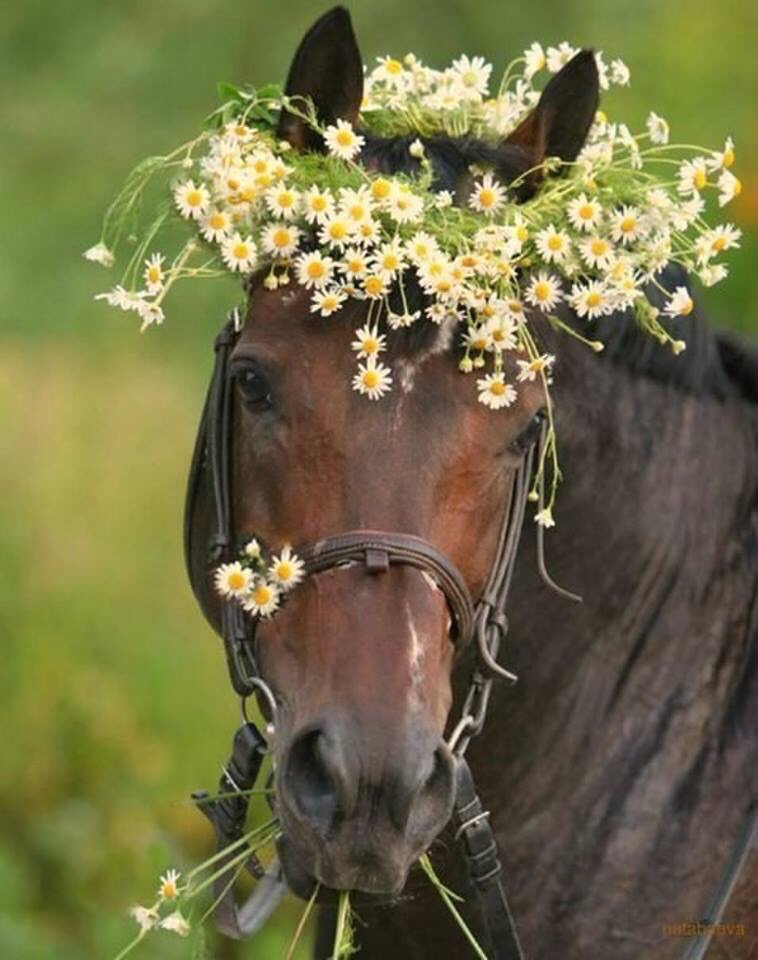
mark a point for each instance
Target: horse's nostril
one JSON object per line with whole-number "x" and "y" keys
{"x": 310, "y": 784}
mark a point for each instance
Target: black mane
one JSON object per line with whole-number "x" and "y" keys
{"x": 714, "y": 364}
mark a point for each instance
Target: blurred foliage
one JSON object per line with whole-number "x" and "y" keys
{"x": 114, "y": 698}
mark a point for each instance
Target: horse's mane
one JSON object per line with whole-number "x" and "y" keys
{"x": 714, "y": 364}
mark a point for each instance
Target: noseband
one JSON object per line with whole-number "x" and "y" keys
{"x": 483, "y": 622}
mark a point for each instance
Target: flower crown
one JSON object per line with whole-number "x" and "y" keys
{"x": 597, "y": 237}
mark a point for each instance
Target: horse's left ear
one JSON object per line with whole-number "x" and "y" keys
{"x": 559, "y": 124}
{"x": 328, "y": 69}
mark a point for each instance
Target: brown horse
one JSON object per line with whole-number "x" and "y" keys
{"x": 619, "y": 769}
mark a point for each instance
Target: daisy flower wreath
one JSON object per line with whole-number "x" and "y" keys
{"x": 597, "y": 237}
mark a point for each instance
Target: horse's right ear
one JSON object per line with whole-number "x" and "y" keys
{"x": 328, "y": 69}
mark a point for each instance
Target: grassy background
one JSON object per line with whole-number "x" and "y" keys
{"x": 114, "y": 697}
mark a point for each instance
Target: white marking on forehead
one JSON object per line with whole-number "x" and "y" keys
{"x": 415, "y": 656}
{"x": 406, "y": 375}
{"x": 290, "y": 296}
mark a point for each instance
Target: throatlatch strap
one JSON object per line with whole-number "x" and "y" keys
{"x": 485, "y": 870}
{"x": 227, "y": 814}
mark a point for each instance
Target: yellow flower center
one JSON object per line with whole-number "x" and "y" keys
{"x": 687, "y": 307}
{"x": 285, "y": 199}
{"x": 357, "y": 212}
{"x": 315, "y": 270}
{"x": 628, "y": 224}
{"x": 486, "y": 197}
{"x": 318, "y": 203}
{"x": 260, "y": 165}
{"x": 355, "y": 265}
{"x": 390, "y": 262}
{"x": 344, "y": 138}
{"x": 381, "y": 188}
{"x": 217, "y": 221}
{"x": 497, "y": 389}
{"x": 393, "y": 67}
{"x": 469, "y": 260}
{"x": 542, "y": 290}
{"x": 153, "y": 274}
{"x": 699, "y": 178}
{"x": 479, "y": 344}
{"x": 284, "y": 570}
{"x": 601, "y": 117}
{"x": 194, "y": 198}
{"x": 329, "y": 302}
{"x": 281, "y": 237}
{"x": 593, "y": 299}
{"x": 554, "y": 242}
{"x": 240, "y": 251}
{"x": 521, "y": 233}
{"x": 728, "y": 158}
{"x": 262, "y": 594}
{"x": 370, "y": 379}
{"x": 599, "y": 247}
{"x": 370, "y": 345}
{"x": 736, "y": 187}
{"x": 337, "y": 230}
{"x": 515, "y": 306}
{"x": 168, "y": 890}
{"x": 236, "y": 581}
{"x": 374, "y": 285}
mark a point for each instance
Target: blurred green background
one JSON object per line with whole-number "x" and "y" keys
{"x": 115, "y": 703}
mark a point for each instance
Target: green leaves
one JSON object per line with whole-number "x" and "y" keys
{"x": 253, "y": 106}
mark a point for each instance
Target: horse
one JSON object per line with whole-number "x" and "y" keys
{"x": 618, "y": 770}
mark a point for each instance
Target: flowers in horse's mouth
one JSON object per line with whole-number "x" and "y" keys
{"x": 596, "y": 237}
{"x": 258, "y": 582}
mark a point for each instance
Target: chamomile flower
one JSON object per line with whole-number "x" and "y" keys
{"x": 591, "y": 299}
{"x": 470, "y": 76}
{"x": 558, "y": 57}
{"x": 215, "y": 225}
{"x": 531, "y": 369}
{"x": 421, "y": 247}
{"x": 283, "y": 201}
{"x": 154, "y": 275}
{"x": 381, "y": 190}
{"x": 327, "y": 302}
{"x": 722, "y": 238}
{"x": 389, "y": 259}
{"x": 232, "y": 580}
{"x": 368, "y": 341}
{"x": 544, "y": 517}
{"x": 169, "y": 885}
{"x": 238, "y": 253}
{"x": 679, "y": 303}
{"x": 191, "y": 200}
{"x": 374, "y": 286}
{"x": 336, "y": 232}
{"x": 544, "y": 291}
{"x": 356, "y": 205}
{"x": 712, "y": 274}
{"x": 280, "y": 239}
{"x": 286, "y": 570}
{"x": 583, "y": 213}
{"x": 722, "y": 158}
{"x": 318, "y": 205}
{"x": 146, "y": 917}
{"x": 354, "y": 263}
{"x": 657, "y": 128}
{"x": 620, "y": 73}
{"x": 403, "y": 205}
{"x": 176, "y": 923}
{"x": 314, "y": 270}
{"x": 100, "y": 254}
{"x": 342, "y": 141}
{"x": 729, "y": 187}
{"x": 487, "y": 196}
{"x": 391, "y": 71}
{"x": 502, "y": 332}
{"x": 596, "y": 252}
{"x": 373, "y": 379}
{"x": 263, "y": 599}
{"x": 494, "y": 392}
{"x": 693, "y": 175}
{"x": 553, "y": 244}
{"x": 478, "y": 339}
{"x": 252, "y": 549}
{"x": 626, "y": 224}
{"x": 534, "y": 57}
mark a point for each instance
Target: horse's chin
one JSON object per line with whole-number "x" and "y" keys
{"x": 301, "y": 880}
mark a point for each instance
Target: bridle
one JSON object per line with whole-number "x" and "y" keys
{"x": 483, "y": 622}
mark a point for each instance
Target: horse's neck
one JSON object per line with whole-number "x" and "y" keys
{"x": 621, "y": 716}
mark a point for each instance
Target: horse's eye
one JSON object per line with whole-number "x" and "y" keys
{"x": 254, "y": 386}
{"x": 529, "y": 435}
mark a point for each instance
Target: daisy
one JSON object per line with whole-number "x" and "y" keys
{"x": 729, "y": 187}
{"x": 470, "y": 77}
{"x": 373, "y": 379}
{"x": 252, "y": 549}
{"x": 626, "y": 225}
{"x": 620, "y": 73}
{"x": 374, "y": 286}
{"x": 238, "y": 253}
{"x": 145, "y": 917}
{"x": 552, "y": 244}
{"x": 596, "y": 252}
{"x": 529, "y": 369}
{"x": 544, "y": 518}
{"x": 534, "y": 59}
{"x": 282, "y": 201}
{"x": 280, "y": 240}
{"x": 342, "y": 141}
{"x": 215, "y": 225}
{"x": 712, "y": 274}
{"x": 367, "y": 233}
{"x": 590, "y": 299}
{"x": 584, "y": 214}
{"x": 487, "y": 196}
{"x": 391, "y": 71}
{"x": 336, "y": 232}
{"x": 356, "y": 205}
{"x": 168, "y": 887}
{"x": 232, "y": 580}
{"x": 354, "y": 263}
{"x": 381, "y": 189}
{"x": 723, "y": 158}
{"x": 191, "y": 201}
{"x": 154, "y": 273}
{"x": 286, "y": 570}
{"x": 693, "y": 175}
{"x": 327, "y": 302}
{"x": 122, "y": 298}
{"x": 478, "y": 339}
{"x": 421, "y": 247}
{"x": 368, "y": 341}
{"x": 263, "y": 599}
{"x": 416, "y": 149}
{"x": 723, "y": 238}
{"x": 680, "y": 303}
{"x": 657, "y": 128}
{"x": 99, "y": 254}
{"x": 494, "y": 392}
{"x": 558, "y": 57}
{"x": 502, "y": 334}
{"x": 544, "y": 291}
{"x": 176, "y": 923}
{"x": 318, "y": 205}
{"x": 314, "y": 270}
{"x": 150, "y": 313}
{"x": 388, "y": 259}
{"x": 404, "y": 206}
